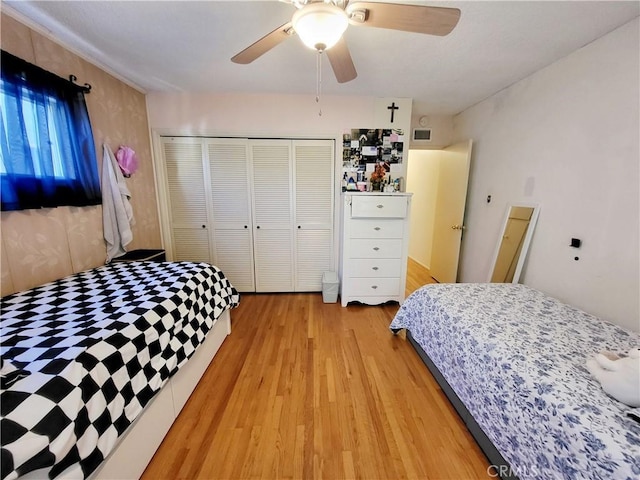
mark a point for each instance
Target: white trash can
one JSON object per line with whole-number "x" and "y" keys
{"x": 330, "y": 287}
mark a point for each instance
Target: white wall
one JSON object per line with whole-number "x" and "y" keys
{"x": 259, "y": 115}
{"x": 567, "y": 137}
{"x": 441, "y": 127}
{"x": 422, "y": 181}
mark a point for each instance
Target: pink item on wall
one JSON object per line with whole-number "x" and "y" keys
{"x": 127, "y": 160}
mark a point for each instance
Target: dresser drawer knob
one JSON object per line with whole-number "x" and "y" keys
{"x": 374, "y": 286}
{"x": 374, "y": 268}
{"x": 376, "y": 228}
{"x": 376, "y": 248}
{"x": 380, "y": 206}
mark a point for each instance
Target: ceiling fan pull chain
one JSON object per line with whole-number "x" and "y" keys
{"x": 319, "y": 81}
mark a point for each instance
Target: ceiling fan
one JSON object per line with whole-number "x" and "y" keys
{"x": 321, "y": 23}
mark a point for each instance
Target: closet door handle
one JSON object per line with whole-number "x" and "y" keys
{"x": 204, "y": 226}
{"x": 374, "y": 286}
{"x": 380, "y": 206}
{"x": 376, "y": 228}
{"x": 246, "y": 226}
{"x": 374, "y": 268}
{"x": 376, "y": 248}
{"x": 258, "y": 226}
{"x": 299, "y": 227}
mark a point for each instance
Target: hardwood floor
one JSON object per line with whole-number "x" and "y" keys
{"x": 303, "y": 389}
{"x": 417, "y": 276}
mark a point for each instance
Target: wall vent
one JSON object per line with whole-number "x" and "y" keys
{"x": 421, "y": 134}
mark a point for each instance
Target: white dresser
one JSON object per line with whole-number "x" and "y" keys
{"x": 375, "y": 239}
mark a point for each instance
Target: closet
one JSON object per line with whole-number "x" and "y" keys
{"x": 260, "y": 209}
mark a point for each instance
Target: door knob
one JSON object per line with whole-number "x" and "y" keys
{"x": 457, "y": 227}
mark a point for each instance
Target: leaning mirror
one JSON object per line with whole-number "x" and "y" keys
{"x": 515, "y": 238}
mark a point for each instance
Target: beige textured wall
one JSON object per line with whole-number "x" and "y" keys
{"x": 43, "y": 245}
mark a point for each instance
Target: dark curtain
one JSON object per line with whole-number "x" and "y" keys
{"x": 47, "y": 147}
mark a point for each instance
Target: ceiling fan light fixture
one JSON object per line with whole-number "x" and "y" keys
{"x": 320, "y": 25}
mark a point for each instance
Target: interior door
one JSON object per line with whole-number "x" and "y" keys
{"x": 271, "y": 178}
{"x": 187, "y": 203}
{"x": 314, "y": 180}
{"x": 449, "y": 211}
{"x": 228, "y": 161}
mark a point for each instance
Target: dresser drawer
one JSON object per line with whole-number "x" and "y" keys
{"x": 374, "y": 286}
{"x": 377, "y": 228}
{"x": 379, "y": 206}
{"x": 375, "y": 267}
{"x": 375, "y": 248}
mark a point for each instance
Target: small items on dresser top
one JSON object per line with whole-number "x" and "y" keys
{"x": 359, "y": 183}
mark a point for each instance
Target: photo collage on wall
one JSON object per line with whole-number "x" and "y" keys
{"x": 363, "y": 149}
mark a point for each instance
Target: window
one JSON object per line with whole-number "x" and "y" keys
{"x": 46, "y": 144}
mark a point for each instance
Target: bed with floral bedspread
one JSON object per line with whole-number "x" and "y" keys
{"x": 516, "y": 357}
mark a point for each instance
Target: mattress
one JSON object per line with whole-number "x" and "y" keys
{"x": 82, "y": 357}
{"x": 516, "y": 359}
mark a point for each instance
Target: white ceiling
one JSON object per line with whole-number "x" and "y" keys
{"x": 183, "y": 46}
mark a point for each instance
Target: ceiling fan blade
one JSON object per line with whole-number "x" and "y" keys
{"x": 266, "y": 43}
{"x": 408, "y": 18}
{"x": 341, "y": 62}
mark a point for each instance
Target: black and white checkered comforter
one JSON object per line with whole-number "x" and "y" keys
{"x": 82, "y": 356}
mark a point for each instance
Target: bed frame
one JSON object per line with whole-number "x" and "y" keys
{"x": 136, "y": 447}
{"x": 500, "y": 466}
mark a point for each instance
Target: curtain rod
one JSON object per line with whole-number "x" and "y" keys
{"x": 18, "y": 66}
{"x": 86, "y": 88}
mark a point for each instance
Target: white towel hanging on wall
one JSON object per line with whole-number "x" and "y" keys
{"x": 117, "y": 213}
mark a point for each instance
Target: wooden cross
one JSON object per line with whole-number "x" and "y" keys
{"x": 393, "y": 108}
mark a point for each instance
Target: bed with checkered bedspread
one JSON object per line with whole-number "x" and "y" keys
{"x": 83, "y": 356}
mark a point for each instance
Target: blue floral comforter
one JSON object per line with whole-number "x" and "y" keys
{"x": 516, "y": 358}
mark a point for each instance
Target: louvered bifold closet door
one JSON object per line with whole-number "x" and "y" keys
{"x": 271, "y": 176}
{"x": 231, "y": 203}
{"x": 314, "y": 207}
{"x": 187, "y": 205}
